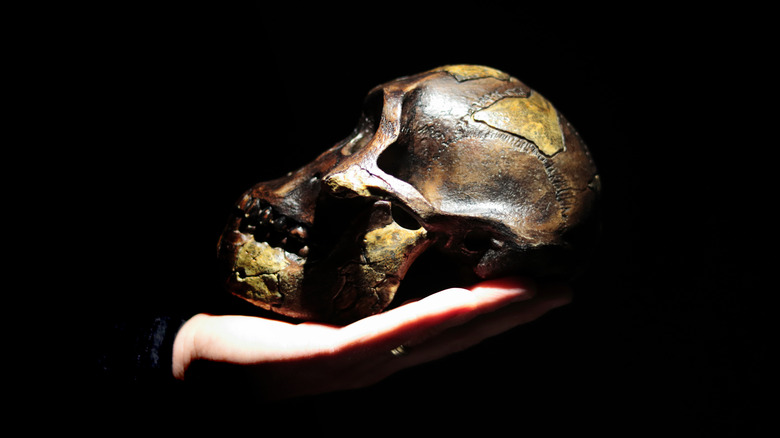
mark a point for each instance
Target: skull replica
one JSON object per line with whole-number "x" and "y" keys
{"x": 463, "y": 159}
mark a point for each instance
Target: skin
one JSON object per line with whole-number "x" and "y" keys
{"x": 288, "y": 360}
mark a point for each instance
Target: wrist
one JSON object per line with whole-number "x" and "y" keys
{"x": 185, "y": 346}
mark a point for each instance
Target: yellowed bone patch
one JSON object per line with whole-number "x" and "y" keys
{"x": 465, "y": 72}
{"x": 532, "y": 117}
{"x": 352, "y": 179}
{"x": 385, "y": 247}
{"x": 260, "y": 265}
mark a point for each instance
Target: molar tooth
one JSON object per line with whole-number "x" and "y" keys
{"x": 299, "y": 232}
{"x": 244, "y": 202}
{"x": 251, "y": 207}
{"x": 265, "y": 214}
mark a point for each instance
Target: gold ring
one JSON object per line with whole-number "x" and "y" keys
{"x": 399, "y": 351}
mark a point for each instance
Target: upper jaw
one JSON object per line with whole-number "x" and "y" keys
{"x": 262, "y": 254}
{"x": 346, "y": 265}
{"x": 266, "y": 223}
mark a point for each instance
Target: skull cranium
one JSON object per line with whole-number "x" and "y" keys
{"x": 464, "y": 159}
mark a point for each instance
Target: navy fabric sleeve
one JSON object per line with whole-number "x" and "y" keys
{"x": 139, "y": 350}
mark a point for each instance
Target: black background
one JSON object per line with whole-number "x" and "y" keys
{"x": 667, "y": 331}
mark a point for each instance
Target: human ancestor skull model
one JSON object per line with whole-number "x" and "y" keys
{"x": 464, "y": 160}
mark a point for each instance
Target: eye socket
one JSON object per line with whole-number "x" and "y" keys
{"x": 477, "y": 241}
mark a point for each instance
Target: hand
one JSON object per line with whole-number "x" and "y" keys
{"x": 288, "y": 360}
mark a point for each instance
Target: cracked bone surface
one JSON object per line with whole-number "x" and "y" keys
{"x": 463, "y": 161}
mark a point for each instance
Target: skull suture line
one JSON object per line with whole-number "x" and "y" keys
{"x": 464, "y": 159}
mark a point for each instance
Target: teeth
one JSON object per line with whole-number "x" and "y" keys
{"x": 267, "y": 225}
{"x": 299, "y": 233}
{"x": 265, "y": 215}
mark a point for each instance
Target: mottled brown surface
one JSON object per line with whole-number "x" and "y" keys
{"x": 464, "y": 159}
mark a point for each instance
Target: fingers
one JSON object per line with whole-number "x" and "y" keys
{"x": 485, "y": 326}
{"x": 444, "y": 323}
{"x": 418, "y": 321}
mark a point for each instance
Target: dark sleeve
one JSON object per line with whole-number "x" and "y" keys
{"x": 139, "y": 350}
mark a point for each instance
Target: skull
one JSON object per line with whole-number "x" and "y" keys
{"x": 462, "y": 160}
